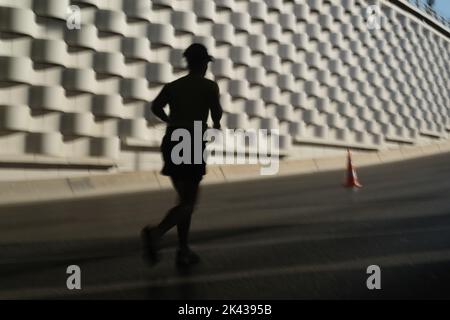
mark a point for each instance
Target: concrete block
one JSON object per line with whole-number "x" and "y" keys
{"x": 430, "y": 149}
{"x": 365, "y": 159}
{"x": 293, "y": 167}
{"x": 213, "y": 175}
{"x": 241, "y": 172}
{"x": 390, "y": 155}
{"x": 411, "y": 152}
{"x": 444, "y": 146}
{"x": 124, "y": 181}
{"x": 332, "y": 163}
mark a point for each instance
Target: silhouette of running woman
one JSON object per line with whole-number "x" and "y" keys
{"x": 190, "y": 98}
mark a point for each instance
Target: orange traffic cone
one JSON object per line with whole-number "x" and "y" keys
{"x": 352, "y": 178}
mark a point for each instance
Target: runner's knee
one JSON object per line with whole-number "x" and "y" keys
{"x": 187, "y": 208}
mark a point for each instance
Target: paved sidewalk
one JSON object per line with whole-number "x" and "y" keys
{"x": 119, "y": 183}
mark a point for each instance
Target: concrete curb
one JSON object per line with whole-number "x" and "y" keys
{"x": 22, "y": 192}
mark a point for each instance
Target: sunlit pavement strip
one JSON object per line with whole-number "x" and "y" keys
{"x": 385, "y": 261}
{"x": 252, "y": 243}
{"x": 285, "y": 240}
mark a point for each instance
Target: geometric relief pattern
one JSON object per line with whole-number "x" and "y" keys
{"x": 310, "y": 68}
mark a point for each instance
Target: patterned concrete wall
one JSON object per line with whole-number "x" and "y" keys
{"x": 310, "y": 68}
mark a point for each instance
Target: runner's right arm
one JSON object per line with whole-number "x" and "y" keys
{"x": 159, "y": 103}
{"x": 216, "y": 108}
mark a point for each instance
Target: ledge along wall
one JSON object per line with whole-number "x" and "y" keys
{"x": 78, "y": 101}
